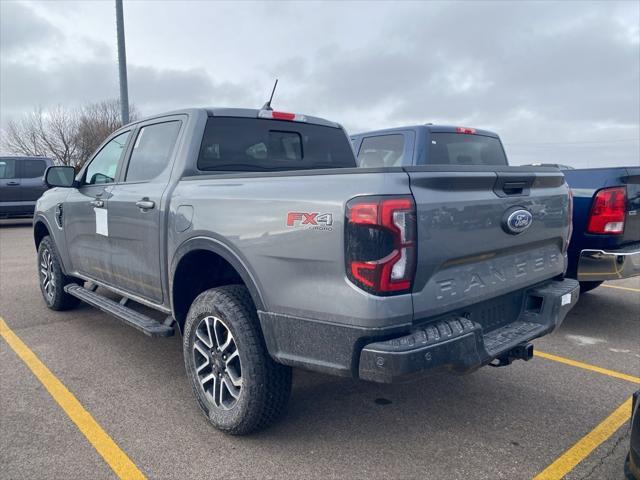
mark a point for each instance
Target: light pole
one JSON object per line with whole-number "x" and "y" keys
{"x": 122, "y": 64}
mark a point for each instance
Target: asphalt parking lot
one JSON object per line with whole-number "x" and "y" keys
{"x": 498, "y": 423}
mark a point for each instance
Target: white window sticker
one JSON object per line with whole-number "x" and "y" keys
{"x": 102, "y": 225}
{"x": 566, "y": 299}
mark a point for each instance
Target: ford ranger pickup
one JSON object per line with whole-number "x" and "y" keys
{"x": 256, "y": 236}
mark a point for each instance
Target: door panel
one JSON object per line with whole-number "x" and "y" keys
{"x": 9, "y": 180}
{"x": 134, "y": 235}
{"x": 89, "y": 252}
{"x": 85, "y": 209}
{"x": 135, "y": 210}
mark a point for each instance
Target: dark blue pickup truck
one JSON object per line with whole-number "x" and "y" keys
{"x": 21, "y": 184}
{"x": 428, "y": 145}
{"x": 605, "y": 244}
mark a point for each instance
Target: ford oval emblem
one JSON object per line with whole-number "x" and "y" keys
{"x": 517, "y": 221}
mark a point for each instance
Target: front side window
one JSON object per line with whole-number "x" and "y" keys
{"x": 381, "y": 151}
{"x": 7, "y": 168}
{"x": 33, "y": 168}
{"x": 104, "y": 165}
{"x": 152, "y": 151}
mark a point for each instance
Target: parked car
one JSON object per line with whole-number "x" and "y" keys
{"x": 605, "y": 244}
{"x": 21, "y": 184}
{"x": 632, "y": 463}
{"x": 255, "y": 232}
{"x": 428, "y": 145}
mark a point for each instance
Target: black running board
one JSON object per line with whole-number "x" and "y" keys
{"x": 145, "y": 324}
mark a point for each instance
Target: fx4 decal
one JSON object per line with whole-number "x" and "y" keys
{"x": 310, "y": 220}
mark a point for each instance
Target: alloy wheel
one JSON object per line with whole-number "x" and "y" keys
{"x": 217, "y": 362}
{"x": 47, "y": 275}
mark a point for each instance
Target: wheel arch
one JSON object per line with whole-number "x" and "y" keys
{"x": 40, "y": 230}
{"x": 209, "y": 252}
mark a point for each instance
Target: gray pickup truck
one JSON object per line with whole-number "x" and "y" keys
{"x": 254, "y": 233}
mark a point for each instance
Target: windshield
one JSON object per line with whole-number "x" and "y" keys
{"x": 465, "y": 149}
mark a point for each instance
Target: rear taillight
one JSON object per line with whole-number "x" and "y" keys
{"x": 381, "y": 243}
{"x": 608, "y": 211}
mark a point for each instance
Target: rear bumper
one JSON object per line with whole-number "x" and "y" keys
{"x": 598, "y": 265}
{"x": 460, "y": 345}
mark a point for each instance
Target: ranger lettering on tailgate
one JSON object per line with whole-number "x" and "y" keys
{"x": 495, "y": 272}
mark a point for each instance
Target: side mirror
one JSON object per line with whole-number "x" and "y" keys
{"x": 60, "y": 177}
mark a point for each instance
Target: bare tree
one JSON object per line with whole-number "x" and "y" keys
{"x": 68, "y": 136}
{"x": 23, "y": 137}
{"x": 96, "y": 122}
{"x": 58, "y": 129}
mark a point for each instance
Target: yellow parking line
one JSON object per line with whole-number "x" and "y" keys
{"x": 622, "y": 288}
{"x": 119, "y": 462}
{"x": 586, "y": 366}
{"x": 587, "y": 444}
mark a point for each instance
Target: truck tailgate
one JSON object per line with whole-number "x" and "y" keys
{"x": 466, "y": 252}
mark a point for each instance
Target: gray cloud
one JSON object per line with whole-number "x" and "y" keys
{"x": 559, "y": 81}
{"x": 74, "y": 83}
{"x": 481, "y": 70}
{"x": 20, "y": 28}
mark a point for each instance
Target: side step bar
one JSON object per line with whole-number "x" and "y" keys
{"x": 145, "y": 324}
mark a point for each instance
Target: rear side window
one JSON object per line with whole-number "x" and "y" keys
{"x": 7, "y": 168}
{"x": 33, "y": 168}
{"x": 465, "y": 149}
{"x": 381, "y": 151}
{"x": 152, "y": 150}
{"x": 260, "y": 145}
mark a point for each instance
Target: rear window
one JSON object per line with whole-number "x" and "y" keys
{"x": 465, "y": 149}
{"x": 260, "y": 145}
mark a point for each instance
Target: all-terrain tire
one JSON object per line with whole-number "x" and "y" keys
{"x": 265, "y": 384}
{"x": 51, "y": 278}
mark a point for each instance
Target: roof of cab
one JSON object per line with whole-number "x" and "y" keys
{"x": 426, "y": 127}
{"x": 234, "y": 112}
{"x": 253, "y": 113}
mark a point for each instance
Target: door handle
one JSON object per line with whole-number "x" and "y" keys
{"x": 13, "y": 184}
{"x": 145, "y": 204}
{"x": 97, "y": 203}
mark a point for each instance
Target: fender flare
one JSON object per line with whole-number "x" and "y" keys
{"x": 40, "y": 218}
{"x": 227, "y": 253}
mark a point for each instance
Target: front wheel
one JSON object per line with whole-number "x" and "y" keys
{"x": 238, "y": 386}
{"x": 52, "y": 279}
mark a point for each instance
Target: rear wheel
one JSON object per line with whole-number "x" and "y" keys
{"x": 237, "y": 384}
{"x": 588, "y": 286}
{"x": 52, "y": 279}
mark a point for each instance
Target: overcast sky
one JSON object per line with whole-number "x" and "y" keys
{"x": 560, "y": 82}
